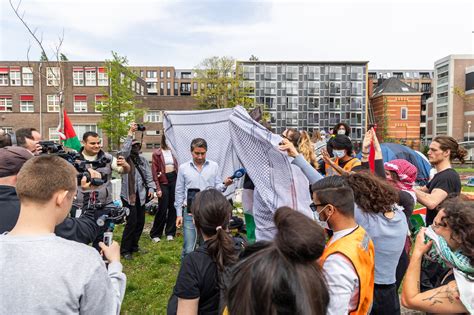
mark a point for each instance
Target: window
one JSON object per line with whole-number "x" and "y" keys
{"x": 161, "y": 74}
{"x": 292, "y": 118}
{"x": 52, "y": 76}
{"x": 15, "y": 76}
{"x": 151, "y": 86}
{"x": 27, "y": 76}
{"x": 356, "y": 73}
{"x": 404, "y": 113}
{"x": 292, "y": 103}
{"x": 195, "y": 86}
{"x": 141, "y": 73}
{"x": 168, "y": 86}
{"x": 150, "y": 74}
{"x": 90, "y": 76}
{"x": 168, "y": 74}
{"x": 4, "y": 75}
{"x": 292, "y": 73}
{"x": 54, "y": 135}
{"x": 292, "y": 88}
{"x": 82, "y": 129}
{"x": 185, "y": 88}
{"x": 313, "y": 73}
{"x": 248, "y": 72}
{"x": 6, "y": 103}
{"x": 313, "y": 88}
{"x": 356, "y": 88}
{"x": 335, "y": 88}
{"x": 99, "y": 101}
{"x": 103, "y": 77}
{"x": 7, "y": 129}
{"x": 154, "y": 116}
{"x": 270, "y": 73}
{"x": 26, "y": 104}
{"x": 335, "y": 103}
{"x": 335, "y": 73}
{"x": 270, "y": 88}
{"x": 80, "y": 103}
{"x": 356, "y": 103}
{"x": 270, "y": 102}
{"x": 52, "y": 102}
{"x": 313, "y": 118}
{"x": 78, "y": 76}
{"x": 313, "y": 103}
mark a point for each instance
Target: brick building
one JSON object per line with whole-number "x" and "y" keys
{"x": 451, "y": 111}
{"x": 420, "y": 80}
{"x": 396, "y": 107}
{"x": 29, "y": 96}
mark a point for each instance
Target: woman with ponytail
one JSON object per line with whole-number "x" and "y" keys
{"x": 197, "y": 289}
{"x": 283, "y": 276}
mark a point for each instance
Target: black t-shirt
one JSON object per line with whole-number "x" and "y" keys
{"x": 197, "y": 278}
{"x": 9, "y": 208}
{"x": 447, "y": 180}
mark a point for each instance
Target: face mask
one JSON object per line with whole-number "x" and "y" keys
{"x": 339, "y": 153}
{"x": 341, "y": 132}
{"x": 323, "y": 224}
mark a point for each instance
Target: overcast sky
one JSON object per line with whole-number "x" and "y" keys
{"x": 399, "y": 34}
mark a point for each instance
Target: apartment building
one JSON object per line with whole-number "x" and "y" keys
{"x": 29, "y": 97}
{"x": 420, "y": 80}
{"x": 310, "y": 95}
{"x": 452, "y": 109}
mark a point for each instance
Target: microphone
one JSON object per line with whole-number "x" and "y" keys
{"x": 238, "y": 173}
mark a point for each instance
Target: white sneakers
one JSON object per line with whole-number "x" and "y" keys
{"x": 169, "y": 238}
{"x": 156, "y": 239}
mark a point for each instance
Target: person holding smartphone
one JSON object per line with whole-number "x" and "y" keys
{"x": 195, "y": 175}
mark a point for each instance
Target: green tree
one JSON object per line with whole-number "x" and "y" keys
{"x": 63, "y": 57}
{"x": 221, "y": 84}
{"x": 43, "y": 57}
{"x": 118, "y": 110}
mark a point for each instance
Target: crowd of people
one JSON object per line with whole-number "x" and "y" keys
{"x": 356, "y": 253}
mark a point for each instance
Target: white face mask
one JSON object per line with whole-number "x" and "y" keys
{"x": 341, "y": 132}
{"x": 323, "y": 224}
{"x": 339, "y": 153}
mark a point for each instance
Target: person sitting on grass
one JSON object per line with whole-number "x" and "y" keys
{"x": 42, "y": 273}
{"x": 451, "y": 243}
{"x": 197, "y": 286}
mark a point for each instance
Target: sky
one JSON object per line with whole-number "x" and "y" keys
{"x": 401, "y": 34}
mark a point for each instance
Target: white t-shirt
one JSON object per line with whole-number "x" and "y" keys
{"x": 342, "y": 280}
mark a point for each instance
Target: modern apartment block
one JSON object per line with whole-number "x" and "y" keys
{"x": 420, "y": 80}
{"x": 310, "y": 95}
{"x": 29, "y": 97}
{"x": 452, "y": 111}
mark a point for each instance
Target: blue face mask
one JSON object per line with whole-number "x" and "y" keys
{"x": 339, "y": 153}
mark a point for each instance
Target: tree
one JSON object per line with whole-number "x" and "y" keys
{"x": 118, "y": 109}
{"x": 221, "y": 84}
{"x": 253, "y": 58}
{"x": 43, "y": 57}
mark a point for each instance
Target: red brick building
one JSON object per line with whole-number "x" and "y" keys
{"x": 396, "y": 108}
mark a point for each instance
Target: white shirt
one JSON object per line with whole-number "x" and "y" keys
{"x": 342, "y": 280}
{"x": 168, "y": 157}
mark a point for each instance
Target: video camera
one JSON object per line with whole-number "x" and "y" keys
{"x": 141, "y": 127}
{"x": 115, "y": 214}
{"x": 79, "y": 163}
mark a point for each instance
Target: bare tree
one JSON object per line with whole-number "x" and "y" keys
{"x": 56, "y": 62}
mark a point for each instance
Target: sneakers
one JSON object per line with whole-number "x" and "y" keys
{"x": 156, "y": 239}
{"x": 127, "y": 256}
{"x": 169, "y": 238}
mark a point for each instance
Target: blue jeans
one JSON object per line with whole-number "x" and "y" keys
{"x": 189, "y": 234}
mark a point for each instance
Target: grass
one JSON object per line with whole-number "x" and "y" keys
{"x": 151, "y": 276}
{"x": 464, "y": 170}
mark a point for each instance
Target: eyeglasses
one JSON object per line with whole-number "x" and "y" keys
{"x": 314, "y": 206}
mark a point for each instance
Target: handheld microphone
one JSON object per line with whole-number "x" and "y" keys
{"x": 238, "y": 173}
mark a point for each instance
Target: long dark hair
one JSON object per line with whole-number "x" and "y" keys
{"x": 371, "y": 193}
{"x": 282, "y": 277}
{"x": 449, "y": 143}
{"x": 211, "y": 212}
{"x": 163, "y": 144}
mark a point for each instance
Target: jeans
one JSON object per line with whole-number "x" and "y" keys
{"x": 189, "y": 234}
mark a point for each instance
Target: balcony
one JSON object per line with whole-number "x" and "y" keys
{"x": 291, "y": 76}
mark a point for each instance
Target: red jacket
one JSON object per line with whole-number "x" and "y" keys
{"x": 158, "y": 168}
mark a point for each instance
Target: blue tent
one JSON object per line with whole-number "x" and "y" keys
{"x": 393, "y": 151}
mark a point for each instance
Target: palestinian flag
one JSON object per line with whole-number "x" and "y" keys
{"x": 68, "y": 136}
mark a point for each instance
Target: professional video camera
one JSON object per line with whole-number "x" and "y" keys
{"x": 115, "y": 215}
{"x": 141, "y": 127}
{"x": 79, "y": 163}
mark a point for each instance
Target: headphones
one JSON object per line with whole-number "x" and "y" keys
{"x": 12, "y": 136}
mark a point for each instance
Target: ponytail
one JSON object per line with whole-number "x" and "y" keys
{"x": 449, "y": 143}
{"x": 221, "y": 248}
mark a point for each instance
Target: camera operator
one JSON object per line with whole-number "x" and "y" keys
{"x": 27, "y": 138}
{"x": 83, "y": 229}
{"x": 137, "y": 186}
{"x": 42, "y": 273}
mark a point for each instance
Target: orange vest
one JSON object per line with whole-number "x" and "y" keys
{"x": 347, "y": 167}
{"x": 359, "y": 249}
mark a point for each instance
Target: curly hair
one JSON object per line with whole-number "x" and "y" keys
{"x": 306, "y": 148}
{"x": 371, "y": 193}
{"x": 460, "y": 219}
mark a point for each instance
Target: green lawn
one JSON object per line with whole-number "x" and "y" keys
{"x": 464, "y": 170}
{"x": 151, "y": 276}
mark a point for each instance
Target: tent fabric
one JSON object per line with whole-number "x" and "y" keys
{"x": 393, "y": 151}
{"x": 181, "y": 127}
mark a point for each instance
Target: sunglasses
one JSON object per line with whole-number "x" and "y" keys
{"x": 314, "y": 206}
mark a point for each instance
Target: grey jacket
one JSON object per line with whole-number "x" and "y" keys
{"x": 139, "y": 185}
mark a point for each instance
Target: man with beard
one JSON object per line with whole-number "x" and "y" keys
{"x": 137, "y": 188}
{"x": 446, "y": 182}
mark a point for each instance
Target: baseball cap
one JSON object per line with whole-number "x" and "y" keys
{"x": 12, "y": 159}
